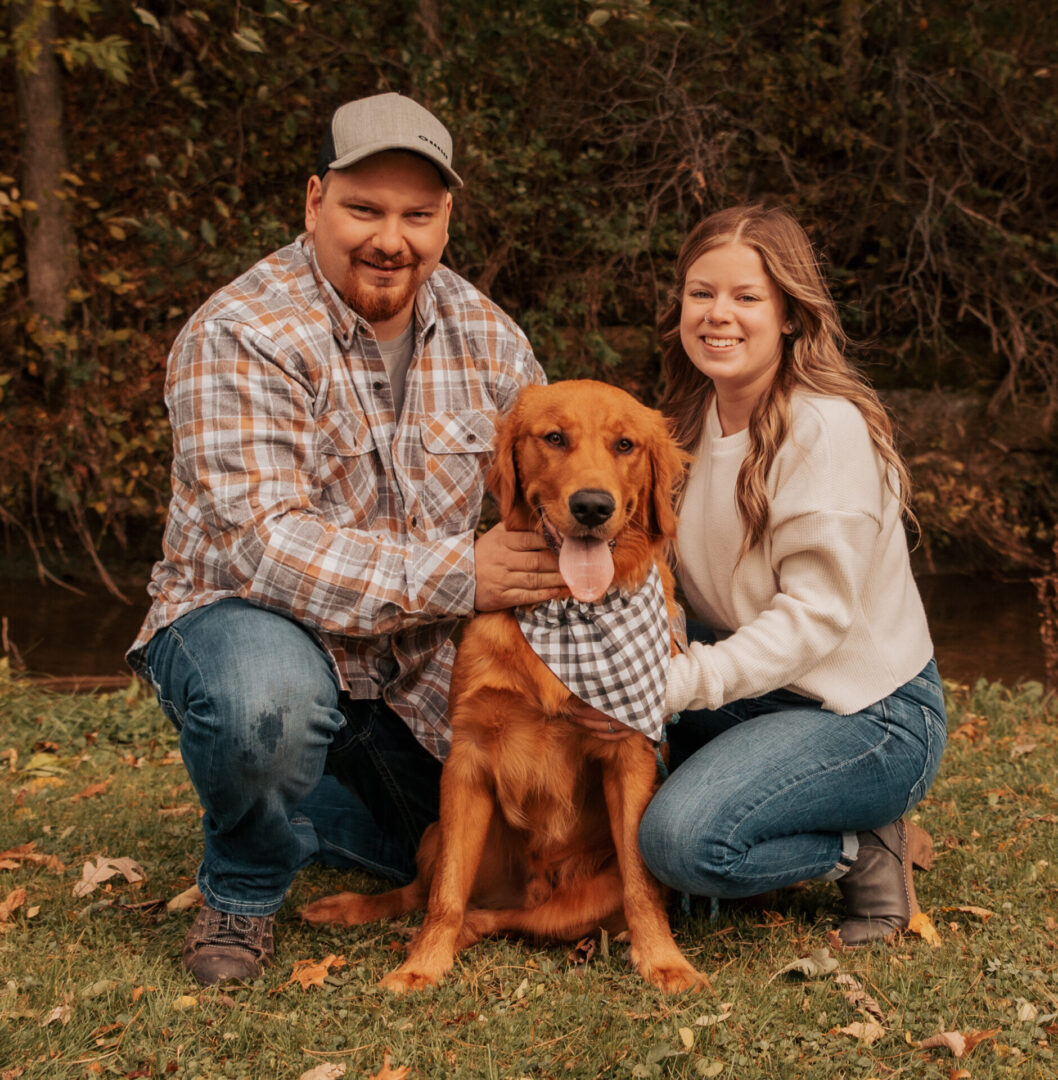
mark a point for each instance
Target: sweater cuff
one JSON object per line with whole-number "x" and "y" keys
{"x": 680, "y": 688}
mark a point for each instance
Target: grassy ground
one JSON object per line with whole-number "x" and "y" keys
{"x": 90, "y": 985}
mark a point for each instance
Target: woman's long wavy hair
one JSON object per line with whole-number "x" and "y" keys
{"x": 813, "y": 357}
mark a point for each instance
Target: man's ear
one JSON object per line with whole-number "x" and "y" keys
{"x": 313, "y": 202}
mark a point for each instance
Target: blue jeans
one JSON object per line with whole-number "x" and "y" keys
{"x": 771, "y": 791}
{"x": 288, "y": 768}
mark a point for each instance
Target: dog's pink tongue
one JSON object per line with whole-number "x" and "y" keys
{"x": 586, "y": 567}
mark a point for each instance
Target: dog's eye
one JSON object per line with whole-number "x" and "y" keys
{"x": 555, "y": 438}
{"x": 625, "y": 446}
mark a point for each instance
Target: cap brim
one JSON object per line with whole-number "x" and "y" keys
{"x": 362, "y": 152}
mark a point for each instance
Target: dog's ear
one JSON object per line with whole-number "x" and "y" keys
{"x": 667, "y": 462}
{"x": 503, "y": 475}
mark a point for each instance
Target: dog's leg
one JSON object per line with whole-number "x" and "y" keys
{"x": 569, "y": 913}
{"x": 466, "y": 811}
{"x": 352, "y": 909}
{"x": 628, "y": 781}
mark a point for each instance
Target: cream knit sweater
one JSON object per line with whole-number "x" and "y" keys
{"x": 825, "y": 605}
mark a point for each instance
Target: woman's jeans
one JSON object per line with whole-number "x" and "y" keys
{"x": 771, "y": 791}
{"x": 261, "y": 717}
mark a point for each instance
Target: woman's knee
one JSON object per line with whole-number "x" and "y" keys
{"x": 682, "y": 846}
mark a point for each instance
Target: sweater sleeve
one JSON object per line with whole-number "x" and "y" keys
{"x": 825, "y": 520}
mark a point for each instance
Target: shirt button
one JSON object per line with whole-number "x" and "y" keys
{"x": 376, "y": 385}
{"x": 472, "y": 437}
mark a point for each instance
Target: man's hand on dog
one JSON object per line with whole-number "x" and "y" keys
{"x": 513, "y": 568}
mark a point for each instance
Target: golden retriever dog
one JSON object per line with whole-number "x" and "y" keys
{"x": 539, "y": 816}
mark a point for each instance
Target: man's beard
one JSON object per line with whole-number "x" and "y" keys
{"x": 379, "y": 303}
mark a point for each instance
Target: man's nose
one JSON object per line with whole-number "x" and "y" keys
{"x": 389, "y": 237}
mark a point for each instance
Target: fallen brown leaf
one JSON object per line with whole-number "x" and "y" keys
{"x": 389, "y": 1073}
{"x": 15, "y": 898}
{"x": 959, "y": 1074}
{"x": 94, "y": 874}
{"x": 960, "y": 1043}
{"x": 307, "y": 973}
{"x": 858, "y": 998}
{"x": 968, "y": 909}
{"x": 189, "y": 898}
{"x": 60, "y": 1014}
{"x": 581, "y": 953}
{"x": 866, "y": 1032}
{"x": 14, "y": 857}
{"x": 326, "y": 1071}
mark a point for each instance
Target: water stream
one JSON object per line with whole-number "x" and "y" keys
{"x": 980, "y": 627}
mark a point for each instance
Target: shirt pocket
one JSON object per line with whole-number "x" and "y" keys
{"x": 458, "y": 450}
{"x": 348, "y": 468}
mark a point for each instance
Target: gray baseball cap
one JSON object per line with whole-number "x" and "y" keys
{"x": 370, "y": 125}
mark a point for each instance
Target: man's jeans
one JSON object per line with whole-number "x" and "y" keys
{"x": 771, "y": 791}
{"x": 261, "y": 716}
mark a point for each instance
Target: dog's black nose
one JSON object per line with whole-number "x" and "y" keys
{"x": 590, "y": 507}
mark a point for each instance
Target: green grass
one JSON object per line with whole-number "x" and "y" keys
{"x": 513, "y": 1010}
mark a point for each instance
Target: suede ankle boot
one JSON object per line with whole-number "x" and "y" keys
{"x": 879, "y": 890}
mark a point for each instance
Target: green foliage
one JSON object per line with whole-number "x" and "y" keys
{"x": 917, "y": 146}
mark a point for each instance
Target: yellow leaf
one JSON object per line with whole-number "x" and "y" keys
{"x": 866, "y": 1032}
{"x": 189, "y": 898}
{"x": 185, "y": 1001}
{"x": 686, "y": 1037}
{"x": 922, "y": 925}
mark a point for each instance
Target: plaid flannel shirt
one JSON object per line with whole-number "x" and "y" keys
{"x": 296, "y": 487}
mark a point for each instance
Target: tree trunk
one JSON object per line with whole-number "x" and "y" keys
{"x": 51, "y": 259}
{"x": 850, "y": 30}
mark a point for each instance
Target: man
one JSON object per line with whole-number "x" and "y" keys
{"x": 332, "y": 411}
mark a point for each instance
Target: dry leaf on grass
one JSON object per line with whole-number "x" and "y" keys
{"x": 817, "y": 963}
{"x": 960, "y": 1043}
{"x": 387, "y": 1072}
{"x": 866, "y": 1032}
{"x": 91, "y": 791}
{"x": 14, "y": 857}
{"x": 15, "y": 899}
{"x": 308, "y": 973}
{"x": 189, "y": 898}
{"x": 326, "y": 1071}
{"x": 94, "y": 874}
{"x": 968, "y": 909}
{"x": 581, "y": 953}
{"x": 922, "y": 925}
{"x": 61, "y": 1014}
{"x": 858, "y": 998}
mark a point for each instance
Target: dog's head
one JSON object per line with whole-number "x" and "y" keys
{"x": 595, "y": 471}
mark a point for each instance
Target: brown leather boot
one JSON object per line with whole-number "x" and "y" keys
{"x": 220, "y": 947}
{"x": 879, "y": 890}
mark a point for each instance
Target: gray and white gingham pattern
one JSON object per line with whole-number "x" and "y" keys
{"x": 613, "y": 654}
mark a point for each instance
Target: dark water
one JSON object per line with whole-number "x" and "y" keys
{"x": 980, "y": 627}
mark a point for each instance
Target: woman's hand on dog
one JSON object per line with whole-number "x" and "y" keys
{"x": 600, "y": 725}
{"x": 513, "y": 568}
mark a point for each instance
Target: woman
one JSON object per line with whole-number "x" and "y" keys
{"x": 812, "y": 712}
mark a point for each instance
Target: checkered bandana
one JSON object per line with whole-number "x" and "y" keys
{"x": 613, "y": 654}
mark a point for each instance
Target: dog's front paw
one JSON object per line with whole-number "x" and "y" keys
{"x": 677, "y": 978}
{"x": 406, "y": 979}
{"x": 341, "y": 908}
